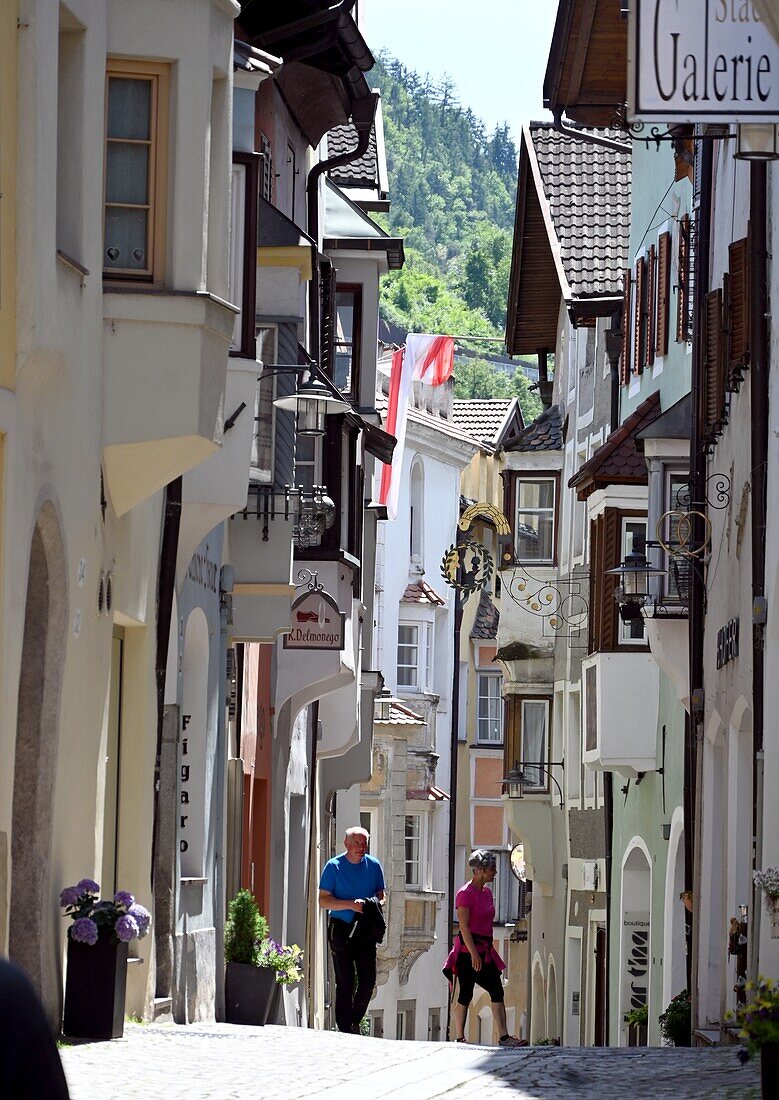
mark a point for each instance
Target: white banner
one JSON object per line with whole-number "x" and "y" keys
{"x": 701, "y": 61}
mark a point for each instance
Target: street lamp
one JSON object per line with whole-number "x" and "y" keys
{"x": 757, "y": 141}
{"x": 634, "y": 573}
{"x": 312, "y": 402}
{"x": 512, "y": 783}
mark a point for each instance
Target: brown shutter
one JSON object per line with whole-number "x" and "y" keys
{"x": 683, "y": 280}
{"x": 714, "y": 380}
{"x": 638, "y": 317}
{"x": 738, "y": 312}
{"x": 611, "y": 559}
{"x": 624, "y": 366}
{"x": 511, "y": 746}
{"x": 663, "y": 285}
{"x": 651, "y": 306}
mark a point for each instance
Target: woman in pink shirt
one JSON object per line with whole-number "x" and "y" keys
{"x": 473, "y": 958}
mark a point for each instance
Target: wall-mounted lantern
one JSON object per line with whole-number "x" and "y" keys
{"x": 312, "y": 402}
{"x": 634, "y": 573}
{"x": 757, "y": 141}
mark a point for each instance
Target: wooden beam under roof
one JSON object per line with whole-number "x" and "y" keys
{"x": 586, "y": 75}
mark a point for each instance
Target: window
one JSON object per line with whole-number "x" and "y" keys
{"x": 242, "y": 267}
{"x": 633, "y": 541}
{"x": 534, "y": 740}
{"x": 405, "y": 1022}
{"x": 70, "y": 154}
{"x": 376, "y": 1023}
{"x": 433, "y": 1025}
{"x": 489, "y": 723}
{"x": 415, "y": 646}
{"x": 534, "y": 526}
{"x": 348, "y": 307}
{"x": 135, "y": 175}
{"x": 368, "y": 822}
{"x": 416, "y": 513}
{"x": 413, "y": 842}
{"x": 261, "y": 464}
{"x": 678, "y": 566}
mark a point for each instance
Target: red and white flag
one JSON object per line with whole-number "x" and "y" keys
{"x": 428, "y": 359}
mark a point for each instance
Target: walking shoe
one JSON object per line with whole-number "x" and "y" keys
{"x": 461, "y": 1041}
{"x": 511, "y": 1041}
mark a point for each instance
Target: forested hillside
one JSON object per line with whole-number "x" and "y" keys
{"x": 452, "y": 187}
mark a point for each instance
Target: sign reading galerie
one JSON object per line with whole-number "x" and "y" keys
{"x": 701, "y": 61}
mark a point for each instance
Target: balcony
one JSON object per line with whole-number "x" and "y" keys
{"x": 621, "y": 703}
{"x": 165, "y": 361}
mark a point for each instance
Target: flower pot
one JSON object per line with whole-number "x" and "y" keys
{"x": 250, "y": 993}
{"x": 769, "y": 1068}
{"x": 95, "y": 988}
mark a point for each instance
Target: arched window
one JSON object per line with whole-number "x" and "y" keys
{"x": 416, "y": 524}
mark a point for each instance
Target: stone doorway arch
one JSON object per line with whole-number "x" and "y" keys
{"x": 33, "y": 929}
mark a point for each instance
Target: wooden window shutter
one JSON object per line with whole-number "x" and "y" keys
{"x": 611, "y": 559}
{"x": 683, "y": 280}
{"x": 663, "y": 288}
{"x": 714, "y": 379}
{"x": 327, "y": 320}
{"x": 625, "y": 358}
{"x": 639, "y": 329}
{"x": 651, "y": 306}
{"x": 738, "y": 312}
{"x": 511, "y": 746}
{"x": 266, "y": 172}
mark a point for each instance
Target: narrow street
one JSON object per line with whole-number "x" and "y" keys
{"x": 228, "y": 1062}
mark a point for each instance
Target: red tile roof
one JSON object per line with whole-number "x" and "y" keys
{"x": 618, "y": 461}
{"x": 421, "y": 592}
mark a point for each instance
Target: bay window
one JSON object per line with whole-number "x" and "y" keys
{"x": 535, "y": 518}
{"x": 489, "y": 718}
{"x": 415, "y": 656}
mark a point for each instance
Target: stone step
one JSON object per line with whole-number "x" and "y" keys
{"x": 163, "y": 1010}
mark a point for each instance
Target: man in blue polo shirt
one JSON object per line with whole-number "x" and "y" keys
{"x": 347, "y": 880}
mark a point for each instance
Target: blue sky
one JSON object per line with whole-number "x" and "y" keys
{"x": 495, "y": 51}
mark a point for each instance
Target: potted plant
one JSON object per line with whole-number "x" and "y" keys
{"x": 758, "y": 1021}
{"x": 768, "y": 882}
{"x": 676, "y": 1021}
{"x": 257, "y": 966}
{"x": 97, "y": 958}
{"x": 637, "y": 1020}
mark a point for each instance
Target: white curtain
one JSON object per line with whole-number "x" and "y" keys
{"x": 534, "y": 742}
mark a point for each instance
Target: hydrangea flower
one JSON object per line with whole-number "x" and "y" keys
{"x": 87, "y": 886}
{"x": 126, "y": 928}
{"x": 124, "y": 900}
{"x": 84, "y": 930}
{"x": 142, "y": 918}
{"x": 69, "y": 896}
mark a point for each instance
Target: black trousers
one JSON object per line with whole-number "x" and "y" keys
{"x": 354, "y": 961}
{"x": 488, "y": 978}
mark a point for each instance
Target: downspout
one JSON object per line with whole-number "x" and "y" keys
{"x": 693, "y": 756}
{"x": 608, "y": 800}
{"x": 453, "y": 762}
{"x": 758, "y": 378}
{"x": 166, "y": 587}
{"x": 366, "y": 109}
{"x": 589, "y": 138}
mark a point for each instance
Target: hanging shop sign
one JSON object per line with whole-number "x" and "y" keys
{"x": 701, "y": 61}
{"x": 317, "y": 623}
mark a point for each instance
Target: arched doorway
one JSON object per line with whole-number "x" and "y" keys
{"x": 537, "y": 1003}
{"x": 33, "y": 929}
{"x": 635, "y": 942}
{"x": 674, "y": 952}
{"x": 552, "y": 1027}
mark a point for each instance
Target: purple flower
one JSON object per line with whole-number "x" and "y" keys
{"x": 69, "y": 896}
{"x": 743, "y": 1055}
{"x": 87, "y": 886}
{"x": 124, "y": 900}
{"x": 84, "y": 930}
{"x": 142, "y": 918}
{"x": 126, "y": 928}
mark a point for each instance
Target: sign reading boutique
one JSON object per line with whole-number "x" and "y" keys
{"x": 701, "y": 61}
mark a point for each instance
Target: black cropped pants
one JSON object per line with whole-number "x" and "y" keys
{"x": 354, "y": 962}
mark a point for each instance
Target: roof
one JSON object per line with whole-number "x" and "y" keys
{"x": 545, "y": 433}
{"x": 400, "y": 715}
{"x": 674, "y": 423}
{"x": 586, "y": 74}
{"x": 428, "y": 794}
{"x": 421, "y": 592}
{"x": 618, "y": 461}
{"x": 248, "y": 59}
{"x": 349, "y": 227}
{"x": 571, "y": 233}
{"x": 488, "y": 420}
{"x": 485, "y": 624}
{"x": 436, "y": 423}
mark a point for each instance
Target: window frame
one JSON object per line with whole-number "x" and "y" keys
{"x": 158, "y": 75}
{"x": 513, "y": 745}
{"x": 623, "y": 638}
{"x": 419, "y": 883}
{"x": 424, "y": 663}
{"x": 270, "y": 380}
{"x": 495, "y": 677}
{"x": 244, "y": 272}
{"x": 516, "y": 477}
{"x": 356, "y": 290}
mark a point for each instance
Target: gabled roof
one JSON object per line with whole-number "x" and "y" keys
{"x": 421, "y": 592}
{"x": 490, "y": 420}
{"x": 586, "y": 74}
{"x": 618, "y": 461}
{"x": 364, "y": 180}
{"x": 571, "y": 233}
{"x": 400, "y": 715}
{"x": 485, "y": 624}
{"x": 545, "y": 433}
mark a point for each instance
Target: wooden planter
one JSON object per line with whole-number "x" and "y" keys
{"x": 95, "y": 988}
{"x": 251, "y": 993}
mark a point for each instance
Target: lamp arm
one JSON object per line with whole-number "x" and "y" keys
{"x": 545, "y": 768}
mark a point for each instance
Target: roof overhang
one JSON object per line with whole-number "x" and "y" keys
{"x": 349, "y": 229}
{"x": 582, "y": 310}
{"x": 586, "y": 74}
{"x": 538, "y": 281}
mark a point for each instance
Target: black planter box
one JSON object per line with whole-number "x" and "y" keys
{"x": 251, "y": 993}
{"x": 95, "y": 989}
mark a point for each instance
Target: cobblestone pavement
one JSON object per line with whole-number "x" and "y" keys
{"x": 227, "y": 1062}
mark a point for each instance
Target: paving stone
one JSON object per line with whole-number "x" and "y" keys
{"x": 227, "y": 1062}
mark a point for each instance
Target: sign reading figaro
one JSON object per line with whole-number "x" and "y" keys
{"x": 317, "y": 623}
